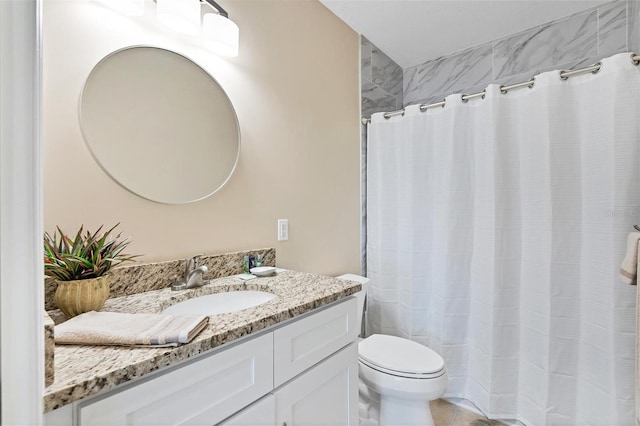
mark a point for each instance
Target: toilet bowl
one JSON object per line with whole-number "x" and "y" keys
{"x": 398, "y": 377}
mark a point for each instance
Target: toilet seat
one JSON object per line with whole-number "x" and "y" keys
{"x": 403, "y": 374}
{"x": 400, "y": 357}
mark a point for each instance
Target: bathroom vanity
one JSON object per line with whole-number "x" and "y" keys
{"x": 292, "y": 360}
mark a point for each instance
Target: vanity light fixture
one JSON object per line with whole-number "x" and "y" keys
{"x": 219, "y": 33}
{"x": 182, "y": 16}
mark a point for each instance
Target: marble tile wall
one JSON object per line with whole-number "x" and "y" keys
{"x": 381, "y": 90}
{"x": 381, "y": 80}
{"x": 633, "y": 25}
{"x": 577, "y": 40}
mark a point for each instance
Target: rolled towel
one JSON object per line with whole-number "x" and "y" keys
{"x": 629, "y": 267}
{"x": 114, "y": 328}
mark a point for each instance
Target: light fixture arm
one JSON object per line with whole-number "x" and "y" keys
{"x": 216, "y": 6}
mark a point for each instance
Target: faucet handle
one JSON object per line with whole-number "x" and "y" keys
{"x": 192, "y": 264}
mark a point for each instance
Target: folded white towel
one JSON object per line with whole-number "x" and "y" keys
{"x": 113, "y": 328}
{"x": 629, "y": 267}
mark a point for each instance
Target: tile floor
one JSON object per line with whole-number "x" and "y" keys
{"x": 447, "y": 414}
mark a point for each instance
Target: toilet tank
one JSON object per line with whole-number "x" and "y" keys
{"x": 360, "y": 296}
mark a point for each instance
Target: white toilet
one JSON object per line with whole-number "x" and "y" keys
{"x": 398, "y": 377}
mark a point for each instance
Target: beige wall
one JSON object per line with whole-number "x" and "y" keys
{"x": 296, "y": 92}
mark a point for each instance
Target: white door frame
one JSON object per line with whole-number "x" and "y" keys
{"x": 21, "y": 272}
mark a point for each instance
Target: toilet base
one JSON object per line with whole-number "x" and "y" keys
{"x": 395, "y": 411}
{"x": 369, "y": 406}
{"x": 376, "y": 410}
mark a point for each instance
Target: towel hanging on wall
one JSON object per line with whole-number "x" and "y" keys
{"x": 629, "y": 267}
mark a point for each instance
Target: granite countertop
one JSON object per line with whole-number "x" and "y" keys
{"x": 81, "y": 371}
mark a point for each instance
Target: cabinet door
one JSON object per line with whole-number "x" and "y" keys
{"x": 261, "y": 413}
{"x": 325, "y": 395}
{"x": 309, "y": 340}
{"x": 62, "y": 416}
{"x": 204, "y": 392}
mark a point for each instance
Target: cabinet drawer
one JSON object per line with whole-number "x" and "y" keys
{"x": 306, "y": 342}
{"x": 202, "y": 393}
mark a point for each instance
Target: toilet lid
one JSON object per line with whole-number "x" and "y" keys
{"x": 399, "y": 355}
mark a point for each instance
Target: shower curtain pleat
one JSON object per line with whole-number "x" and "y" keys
{"x": 495, "y": 230}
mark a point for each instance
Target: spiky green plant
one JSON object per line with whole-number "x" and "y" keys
{"x": 88, "y": 255}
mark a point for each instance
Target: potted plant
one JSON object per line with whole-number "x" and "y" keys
{"x": 79, "y": 266}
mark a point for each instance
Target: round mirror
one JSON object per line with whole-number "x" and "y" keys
{"x": 159, "y": 125}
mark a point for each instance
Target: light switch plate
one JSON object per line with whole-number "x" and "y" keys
{"x": 283, "y": 229}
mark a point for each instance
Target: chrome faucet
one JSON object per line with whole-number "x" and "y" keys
{"x": 193, "y": 275}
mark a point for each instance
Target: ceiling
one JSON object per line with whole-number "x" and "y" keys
{"x": 414, "y": 31}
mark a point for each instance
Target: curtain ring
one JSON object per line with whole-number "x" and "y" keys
{"x": 388, "y": 115}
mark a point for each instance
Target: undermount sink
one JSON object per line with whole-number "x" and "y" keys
{"x": 220, "y": 303}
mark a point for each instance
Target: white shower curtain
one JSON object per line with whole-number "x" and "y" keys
{"x": 495, "y": 233}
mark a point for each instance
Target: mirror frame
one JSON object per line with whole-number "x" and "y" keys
{"x": 97, "y": 160}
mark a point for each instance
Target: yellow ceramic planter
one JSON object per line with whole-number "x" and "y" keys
{"x": 76, "y": 297}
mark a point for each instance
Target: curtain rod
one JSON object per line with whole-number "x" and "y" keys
{"x": 564, "y": 75}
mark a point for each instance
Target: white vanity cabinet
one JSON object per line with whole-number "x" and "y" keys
{"x": 201, "y": 393}
{"x": 304, "y": 372}
{"x": 325, "y": 395}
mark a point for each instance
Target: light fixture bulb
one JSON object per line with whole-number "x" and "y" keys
{"x": 180, "y": 15}
{"x": 220, "y": 34}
